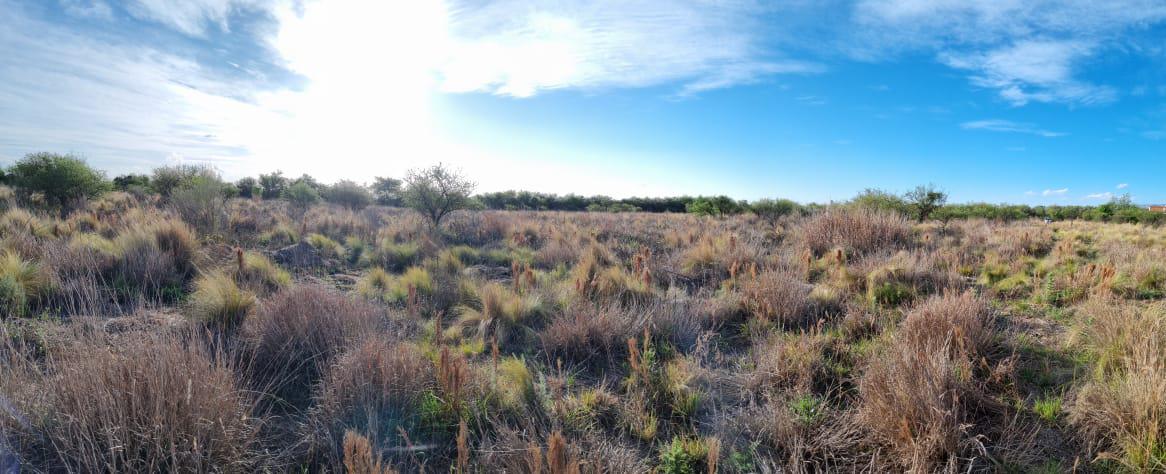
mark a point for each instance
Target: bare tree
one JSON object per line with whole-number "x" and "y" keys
{"x": 437, "y": 191}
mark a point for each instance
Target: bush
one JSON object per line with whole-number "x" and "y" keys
{"x": 498, "y": 314}
{"x": 273, "y": 185}
{"x": 168, "y": 179}
{"x": 295, "y": 335}
{"x": 773, "y": 209}
{"x": 202, "y": 203}
{"x": 22, "y": 284}
{"x": 155, "y": 260}
{"x": 856, "y": 230}
{"x": 716, "y": 206}
{"x": 261, "y": 275}
{"x": 301, "y": 196}
{"x": 62, "y": 181}
{"x": 377, "y": 389}
{"x": 218, "y": 302}
{"x": 159, "y": 405}
{"x": 921, "y": 397}
{"x": 348, "y": 194}
{"x": 881, "y": 201}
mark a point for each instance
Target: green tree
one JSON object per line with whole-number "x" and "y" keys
{"x": 714, "y": 206}
{"x": 202, "y": 203}
{"x": 301, "y": 196}
{"x": 273, "y": 184}
{"x": 880, "y": 200}
{"x": 773, "y": 209}
{"x": 248, "y": 187}
{"x": 925, "y": 200}
{"x": 348, "y": 194}
{"x": 437, "y": 191}
{"x": 167, "y": 179}
{"x": 126, "y": 182}
{"x": 387, "y": 191}
{"x": 63, "y": 180}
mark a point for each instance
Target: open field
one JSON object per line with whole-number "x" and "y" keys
{"x": 844, "y": 340}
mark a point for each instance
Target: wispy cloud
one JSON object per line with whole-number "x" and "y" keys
{"x": 1055, "y": 192}
{"x": 1100, "y": 196}
{"x": 1026, "y": 71}
{"x": 1028, "y": 51}
{"x": 128, "y": 104}
{"x": 518, "y": 49}
{"x": 997, "y": 125}
{"x": 96, "y": 9}
{"x": 192, "y": 17}
{"x": 1123, "y": 186}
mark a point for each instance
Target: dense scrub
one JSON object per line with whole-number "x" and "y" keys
{"x": 256, "y": 336}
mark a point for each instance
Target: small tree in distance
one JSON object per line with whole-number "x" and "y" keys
{"x": 387, "y": 191}
{"x": 301, "y": 196}
{"x": 437, "y": 191}
{"x": 773, "y": 209}
{"x": 925, "y": 200}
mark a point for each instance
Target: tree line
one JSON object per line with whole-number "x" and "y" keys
{"x": 60, "y": 182}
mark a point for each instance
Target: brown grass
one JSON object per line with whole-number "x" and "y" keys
{"x": 159, "y": 404}
{"x": 296, "y": 335}
{"x": 856, "y": 230}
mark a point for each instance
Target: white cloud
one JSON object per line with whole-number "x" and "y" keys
{"x": 126, "y": 105}
{"x": 1055, "y": 192}
{"x": 1102, "y": 196}
{"x": 517, "y": 48}
{"x": 1026, "y": 71}
{"x": 997, "y": 125}
{"x": 192, "y": 17}
{"x": 1123, "y": 186}
{"x": 1026, "y": 50}
{"x": 96, "y": 9}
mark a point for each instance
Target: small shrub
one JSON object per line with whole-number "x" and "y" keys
{"x": 159, "y": 405}
{"x": 217, "y": 301}
{"x": 326, "y": 246}
{"x": 857, "y": 230}
{"x": 375, "y": 388}
{"x": 376, "y": 285}
{"x": 1048, "y": 408}
{"x": 396, "y": 257}
{"x": 500, "y": 315}
{"x": 296, "y": 334}
{"x": 22, "y": 284}
{"x": 684, "y": 456}
{"x": 262, "y": 275}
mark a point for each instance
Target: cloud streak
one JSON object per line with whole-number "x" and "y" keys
{"x": 1008, "y": 126}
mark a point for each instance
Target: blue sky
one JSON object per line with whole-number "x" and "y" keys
{"x": 1004, "y": 101}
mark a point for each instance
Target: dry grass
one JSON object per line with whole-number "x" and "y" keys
{"x": 922, "y": 397}
{"x": 856, "y": 230}
{"x": 375, "y": 388}
{"x": 159, "y": 404}
{"x": 845, "y": 340}
{"x": 293, "y": 337}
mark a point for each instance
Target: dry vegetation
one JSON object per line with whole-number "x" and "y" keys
{"x": 362, "y": 341}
